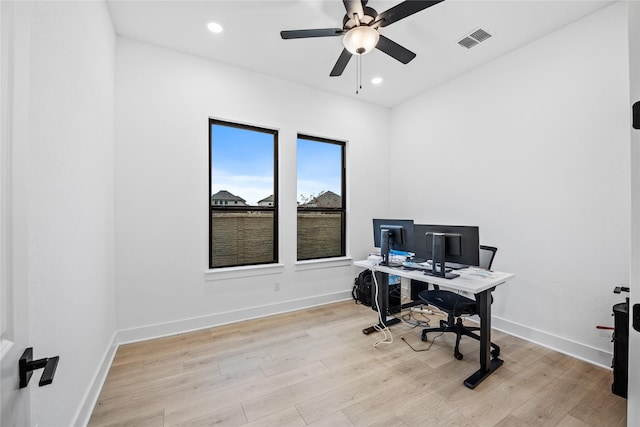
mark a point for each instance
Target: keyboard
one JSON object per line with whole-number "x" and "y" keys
{"x": 455, "y": 265}
{"x": 427, "y": 265}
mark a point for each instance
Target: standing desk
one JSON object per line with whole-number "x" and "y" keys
{"x": 480, "y": 286}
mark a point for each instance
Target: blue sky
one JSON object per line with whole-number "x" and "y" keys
{"x": 318, "y": 167}
{"x": 242, "y": 163}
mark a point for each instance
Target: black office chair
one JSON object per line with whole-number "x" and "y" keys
{"x": 457, "y": 305}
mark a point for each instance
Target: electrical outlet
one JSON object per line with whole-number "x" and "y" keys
{"x": 276, "y": 287}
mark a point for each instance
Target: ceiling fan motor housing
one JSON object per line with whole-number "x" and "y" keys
{"x": 369, "y": 16}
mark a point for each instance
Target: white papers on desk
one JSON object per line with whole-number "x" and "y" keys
{"x": 477, "y": 271}
{"x": 417, "y": 265}
{"x": 396, "y": 259}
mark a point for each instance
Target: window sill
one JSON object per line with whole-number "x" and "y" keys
{"x": 315, "y": 264}
{"x": 244, "y": 271}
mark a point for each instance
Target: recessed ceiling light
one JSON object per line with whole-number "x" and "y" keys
{"x": 376, "y": 80}
{"x": 214, "y": 27}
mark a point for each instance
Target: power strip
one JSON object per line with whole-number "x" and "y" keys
{"x": 423, "y": 310}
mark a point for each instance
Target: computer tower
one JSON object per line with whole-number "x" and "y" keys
{"x": 417, "y": 287}
{"x": 394, "y": 298}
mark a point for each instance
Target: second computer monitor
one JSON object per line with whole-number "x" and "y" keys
{"x": 392, "y": 234}
{"x": 466, "y": 250}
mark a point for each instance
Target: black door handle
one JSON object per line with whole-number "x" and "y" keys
{"x": 636, "y": 317}
{"x": 26, "y": 366}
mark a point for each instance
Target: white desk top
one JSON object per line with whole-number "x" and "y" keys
{"x": 467, "y": 281}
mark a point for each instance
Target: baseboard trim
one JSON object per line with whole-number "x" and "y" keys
{"x": 560, "y": 344}
{"x": 90, "y": 399}
{"x": 218, "y": 319}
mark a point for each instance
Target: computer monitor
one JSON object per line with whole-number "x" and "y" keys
{"x": 394, "y": 234}
{"x": 461, "y": 244}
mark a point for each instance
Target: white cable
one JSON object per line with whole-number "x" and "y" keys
{"x": 388, "y": 339}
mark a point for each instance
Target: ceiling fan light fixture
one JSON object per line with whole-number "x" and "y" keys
{"x": 361, "y": 40}
{"x": 214, "y": 27}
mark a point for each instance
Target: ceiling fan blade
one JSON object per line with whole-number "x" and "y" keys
{"x": 354, "y": 6}
{"x": 394, "y": 50}
{"x": 402, "y": 10}
{"x": 303, "y": 34}
{"x": 341, "y": 63}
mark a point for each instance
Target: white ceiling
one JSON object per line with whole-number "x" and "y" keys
{"x": 251, "y": 38}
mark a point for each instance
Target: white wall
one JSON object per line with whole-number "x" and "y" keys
{"x": 534, "y": 149}
{"x": 68, "y": 199}
{"x": 163, "y": 102}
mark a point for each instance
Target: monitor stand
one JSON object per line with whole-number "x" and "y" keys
{"x": 446, "y": 275}
{"x": 384, "y": 247}
{"x": 438, "y": 264}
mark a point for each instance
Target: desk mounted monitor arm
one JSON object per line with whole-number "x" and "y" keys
{"x": 389, "y": 234}
{"x": 440, "y": 251}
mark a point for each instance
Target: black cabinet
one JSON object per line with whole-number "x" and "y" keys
{"x": 620, "y": 362}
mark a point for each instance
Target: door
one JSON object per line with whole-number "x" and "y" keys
{"x": 14, "y": 409}
{"x": 633, "y": 404}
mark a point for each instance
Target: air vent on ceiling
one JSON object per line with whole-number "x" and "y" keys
{"x": 468, "y": 42}
{"x": 474, "y": 38}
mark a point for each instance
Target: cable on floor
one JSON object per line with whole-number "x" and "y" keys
{"x": 388, "y": 338}
{"x": 422, "y": 349}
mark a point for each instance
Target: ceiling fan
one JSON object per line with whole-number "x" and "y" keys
{"x": 360, "y": 30}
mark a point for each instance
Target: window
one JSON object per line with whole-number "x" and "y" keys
{"x": 321, "y": 198}
{"x": 243, "y": 210}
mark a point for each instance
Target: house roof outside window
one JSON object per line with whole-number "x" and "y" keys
{"x": 267, "y": 201}
{"x": 223, "y": 197}
{"x": 326, "y": 199}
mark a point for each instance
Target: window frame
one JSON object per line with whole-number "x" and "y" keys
{"x": 228, "y": 208}
{"x": 343, "y": 197}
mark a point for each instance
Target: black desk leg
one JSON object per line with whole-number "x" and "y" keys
{"x": 487, "y": 364}
{"x": 383, "y": 303}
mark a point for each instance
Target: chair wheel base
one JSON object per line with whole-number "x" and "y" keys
{"x": 423, "y": 337}
{"x": 458, "y": 356}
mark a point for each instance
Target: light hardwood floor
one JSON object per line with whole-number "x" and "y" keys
{"x": 315, "y": 367}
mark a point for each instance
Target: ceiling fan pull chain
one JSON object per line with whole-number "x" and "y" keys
{"x": 357, "y": 73}
{"x": 360, "y": 72}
